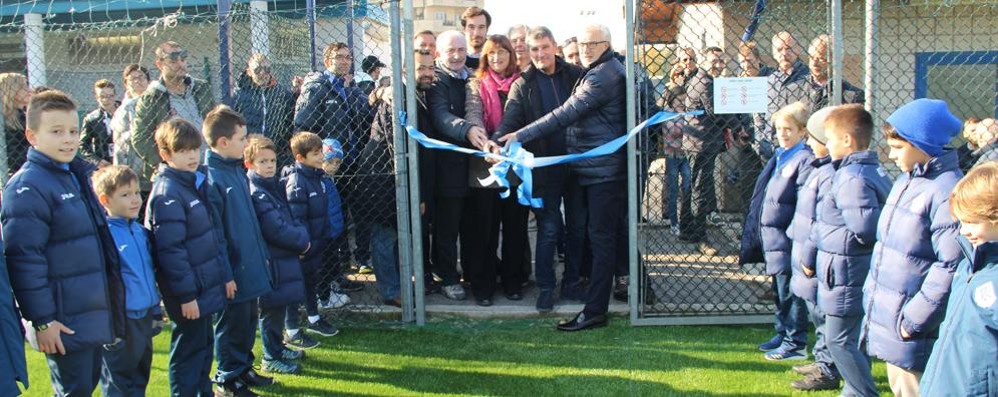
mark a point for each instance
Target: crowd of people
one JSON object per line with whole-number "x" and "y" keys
{"x": 234, "y": 218}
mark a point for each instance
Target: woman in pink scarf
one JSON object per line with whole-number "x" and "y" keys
{"x": 485, "y": 211}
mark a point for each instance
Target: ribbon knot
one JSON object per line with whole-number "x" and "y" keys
{"x": 521, "y": 161}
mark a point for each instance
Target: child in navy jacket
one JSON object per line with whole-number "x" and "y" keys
{"x": 287, "y": 239}
{"x": 127, "y": 363}
{"x": 765, "y": 238}
{"x": 845, "y": 231}
{"x": 963, "y": 362}
{"x": 917, "y": 249}
{"x": 192, "y": 263}
{"x": 62, "y": 261}
{"x": 308, "y": 200}
{"x": 334, "y": 285}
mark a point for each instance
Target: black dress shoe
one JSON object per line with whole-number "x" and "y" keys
{"x": 254, "y": 379}
{"x": 581, "y": 322}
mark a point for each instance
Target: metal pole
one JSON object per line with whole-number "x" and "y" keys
{"x": 260, "y": 27}
{"x": 416, "y": 218}
{"x": 310, "y": 16}
{"x": 632, "y": 167}
{"x": 837, "y": 50}
{"x": 401, "y": 182}
{"x": 225, "y": 73}
{"x": 870, "y": 56}
{"x": 350, "y": 17}
{"x": 34, "y": 49}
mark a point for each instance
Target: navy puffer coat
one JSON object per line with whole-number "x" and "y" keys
{"x": 286, "y": 239}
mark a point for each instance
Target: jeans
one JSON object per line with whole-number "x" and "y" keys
{"x": 842, "y": 338}
{"x": 385, "y": 258}
{"x": 703, "y": 198}
{"x": 675, "y": 166}
{"x": 791, "y": 315}
{"x": 550, "y": 228}
{"x": 820, "y": 351}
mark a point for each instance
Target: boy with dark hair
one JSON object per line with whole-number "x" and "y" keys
{"x": 845, "y": 231}
{"x": 286, "y": 241}
{"x": 309, "y": 205}
{"x": 96, "y": 140}
{"x": 235, "y": 328}
{"x": 192, "y": 264}
{"x": 962, "y": 362}
{"x": 917, "y": 249}
{"x": 62, "y": 262}
{"x": 128, "y": 362}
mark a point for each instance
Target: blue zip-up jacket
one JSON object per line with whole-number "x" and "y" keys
{"x": 191, "y": 255}
{"x": 12, "y": 363}
{"x": 845, "y": 229}
{"x": 309, "y": 205}
{"x": 913, "y": 264}
{"x": 286, "y": 240}
{"x": 329, "y": 108}
{"x": 963, "y": 361}
{"x": 137, "y": 271}
{"x": 335, "y": 207}
{"x": 804, "y": 250}
{"x": 246, "y": 249}
{"x": 775, "y": 199}
{"x": 60, "y": 254}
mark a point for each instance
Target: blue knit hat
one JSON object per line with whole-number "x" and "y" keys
{"x": 927, "y": 124}
{"x": 331, "y": 149}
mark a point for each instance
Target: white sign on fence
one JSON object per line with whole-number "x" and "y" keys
{"x": 740, "y": 95}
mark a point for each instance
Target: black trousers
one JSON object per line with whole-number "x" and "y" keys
{"x": 485, "y": 217}
{"x": 703, "y": 199}
{"x": 447, "y": 212}
{"x": 606, "y": 205}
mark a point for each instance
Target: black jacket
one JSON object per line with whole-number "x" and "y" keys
{"x": 446, "y": 106}
{"x": 330, "y": 114}
{"x": 595, "y": 114}
{"x": 706, "y": 131}
{"x": 95, "y": 138}
{"x": 269, "y": 111}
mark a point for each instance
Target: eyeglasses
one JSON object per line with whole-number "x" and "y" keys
{"x": 590, "y": 44}
{"x": 261, "y": 70}
{"x": 179, "y": 55}
{"x": 341, "y": 57}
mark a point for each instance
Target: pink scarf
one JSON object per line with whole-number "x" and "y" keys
{"x": 492, "y": 85}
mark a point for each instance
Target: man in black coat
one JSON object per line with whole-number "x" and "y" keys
{"x": 593, "y": 115}
{"x": 546, "y": 84}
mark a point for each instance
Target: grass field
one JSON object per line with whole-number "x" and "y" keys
{"x": 457, "y": 357}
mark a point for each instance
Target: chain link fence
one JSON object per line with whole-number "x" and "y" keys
{"x": 268, "y": 63}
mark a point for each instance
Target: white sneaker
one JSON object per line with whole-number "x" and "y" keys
{"x": 335, "y": 301}
{"x": 454, "y": 292}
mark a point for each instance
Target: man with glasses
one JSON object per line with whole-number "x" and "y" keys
{"x": 95, "y": 139}
{"x": 475, "y": 22}
{"x": 267, "y": 105}
{"x": 175, "y": 94}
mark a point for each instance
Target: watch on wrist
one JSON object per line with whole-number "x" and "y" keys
{"x": 42, "y": 327}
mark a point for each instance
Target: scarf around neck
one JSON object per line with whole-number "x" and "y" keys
{"x": 491, "y": 85}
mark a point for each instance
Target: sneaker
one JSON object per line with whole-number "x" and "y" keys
{"x": 454, "y": 292}
{"x": 322, "y": 327}
{"x": 714, "y": 219}
{"x": 782, "y": 354}
{"x": 545, "y": 301}
{"x": 365, "y": 269}
{"x": 807, "y": 369}
{"x": 280, "y": 367}
{"x": 620, "y": 289}
{"x": 292, "y": 355}
{"x": 254, "y": 379}
{"x": 674, "y": 229}
{"x": 300, "y": 341}
{"x": 234, "y": 388}
{"x": 814, "y": 382}
{"x": 343, "y": 284}
{"x": 772, "y": 344}
{"x": 336, "y": 300}
{"x": 707, "y": 250}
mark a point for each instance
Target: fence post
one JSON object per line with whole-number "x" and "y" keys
{"x": 34, "y": 49}
{"x": 225, "y": 69}
{"x": 837, "y": 49}
{"x": 260, "y": 27}
{"x": 870, "y": 56}
{"x": 310, "y": 16}
{"x": 350, "y": 36}
{"x": 402, "y": 186}
{"x": 416, "y": 218}
{"x": 632, "y": 167}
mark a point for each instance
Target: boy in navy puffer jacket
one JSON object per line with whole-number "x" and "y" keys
{"x": 192, "y": 262}
{"x": 286, "y": 241}
{"x": 765, "y": 238}
{"x": 309, "y": 205}
{"x": 61, "y": 258}
{"x": 845, "y": 231}
{"x": 963, "y": 362}
{"x": 917, "y": 250}
{"x": 821, "y": 374}
{"x": 127, "y": 363}
{"x": 334, "y": 285}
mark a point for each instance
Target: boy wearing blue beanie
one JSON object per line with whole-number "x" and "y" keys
{"x": 917, "y": 250}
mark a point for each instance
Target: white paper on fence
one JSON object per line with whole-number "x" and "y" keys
{"x": 734, "y": 95}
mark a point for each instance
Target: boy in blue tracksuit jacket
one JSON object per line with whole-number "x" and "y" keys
{"x": 286, "y": 239}
{"x": 11, "y": 338}
{"x": 845, "y": 231}
{"x": 963, "y": 361}
{"x": 917, "y": 250}
{"x": 192, "y": 263}
{"x": 235, "y": 329}
{"x": 821, "y": 374}
{"x": 61, "y": 259}
{"x": 309, "y": 205}
{"x": 127, "y": 363}
{"x": 764, "y": 236}
{"x": 333, "y": 284}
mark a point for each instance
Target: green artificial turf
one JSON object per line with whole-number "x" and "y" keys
{"x": 457, "y": 357}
